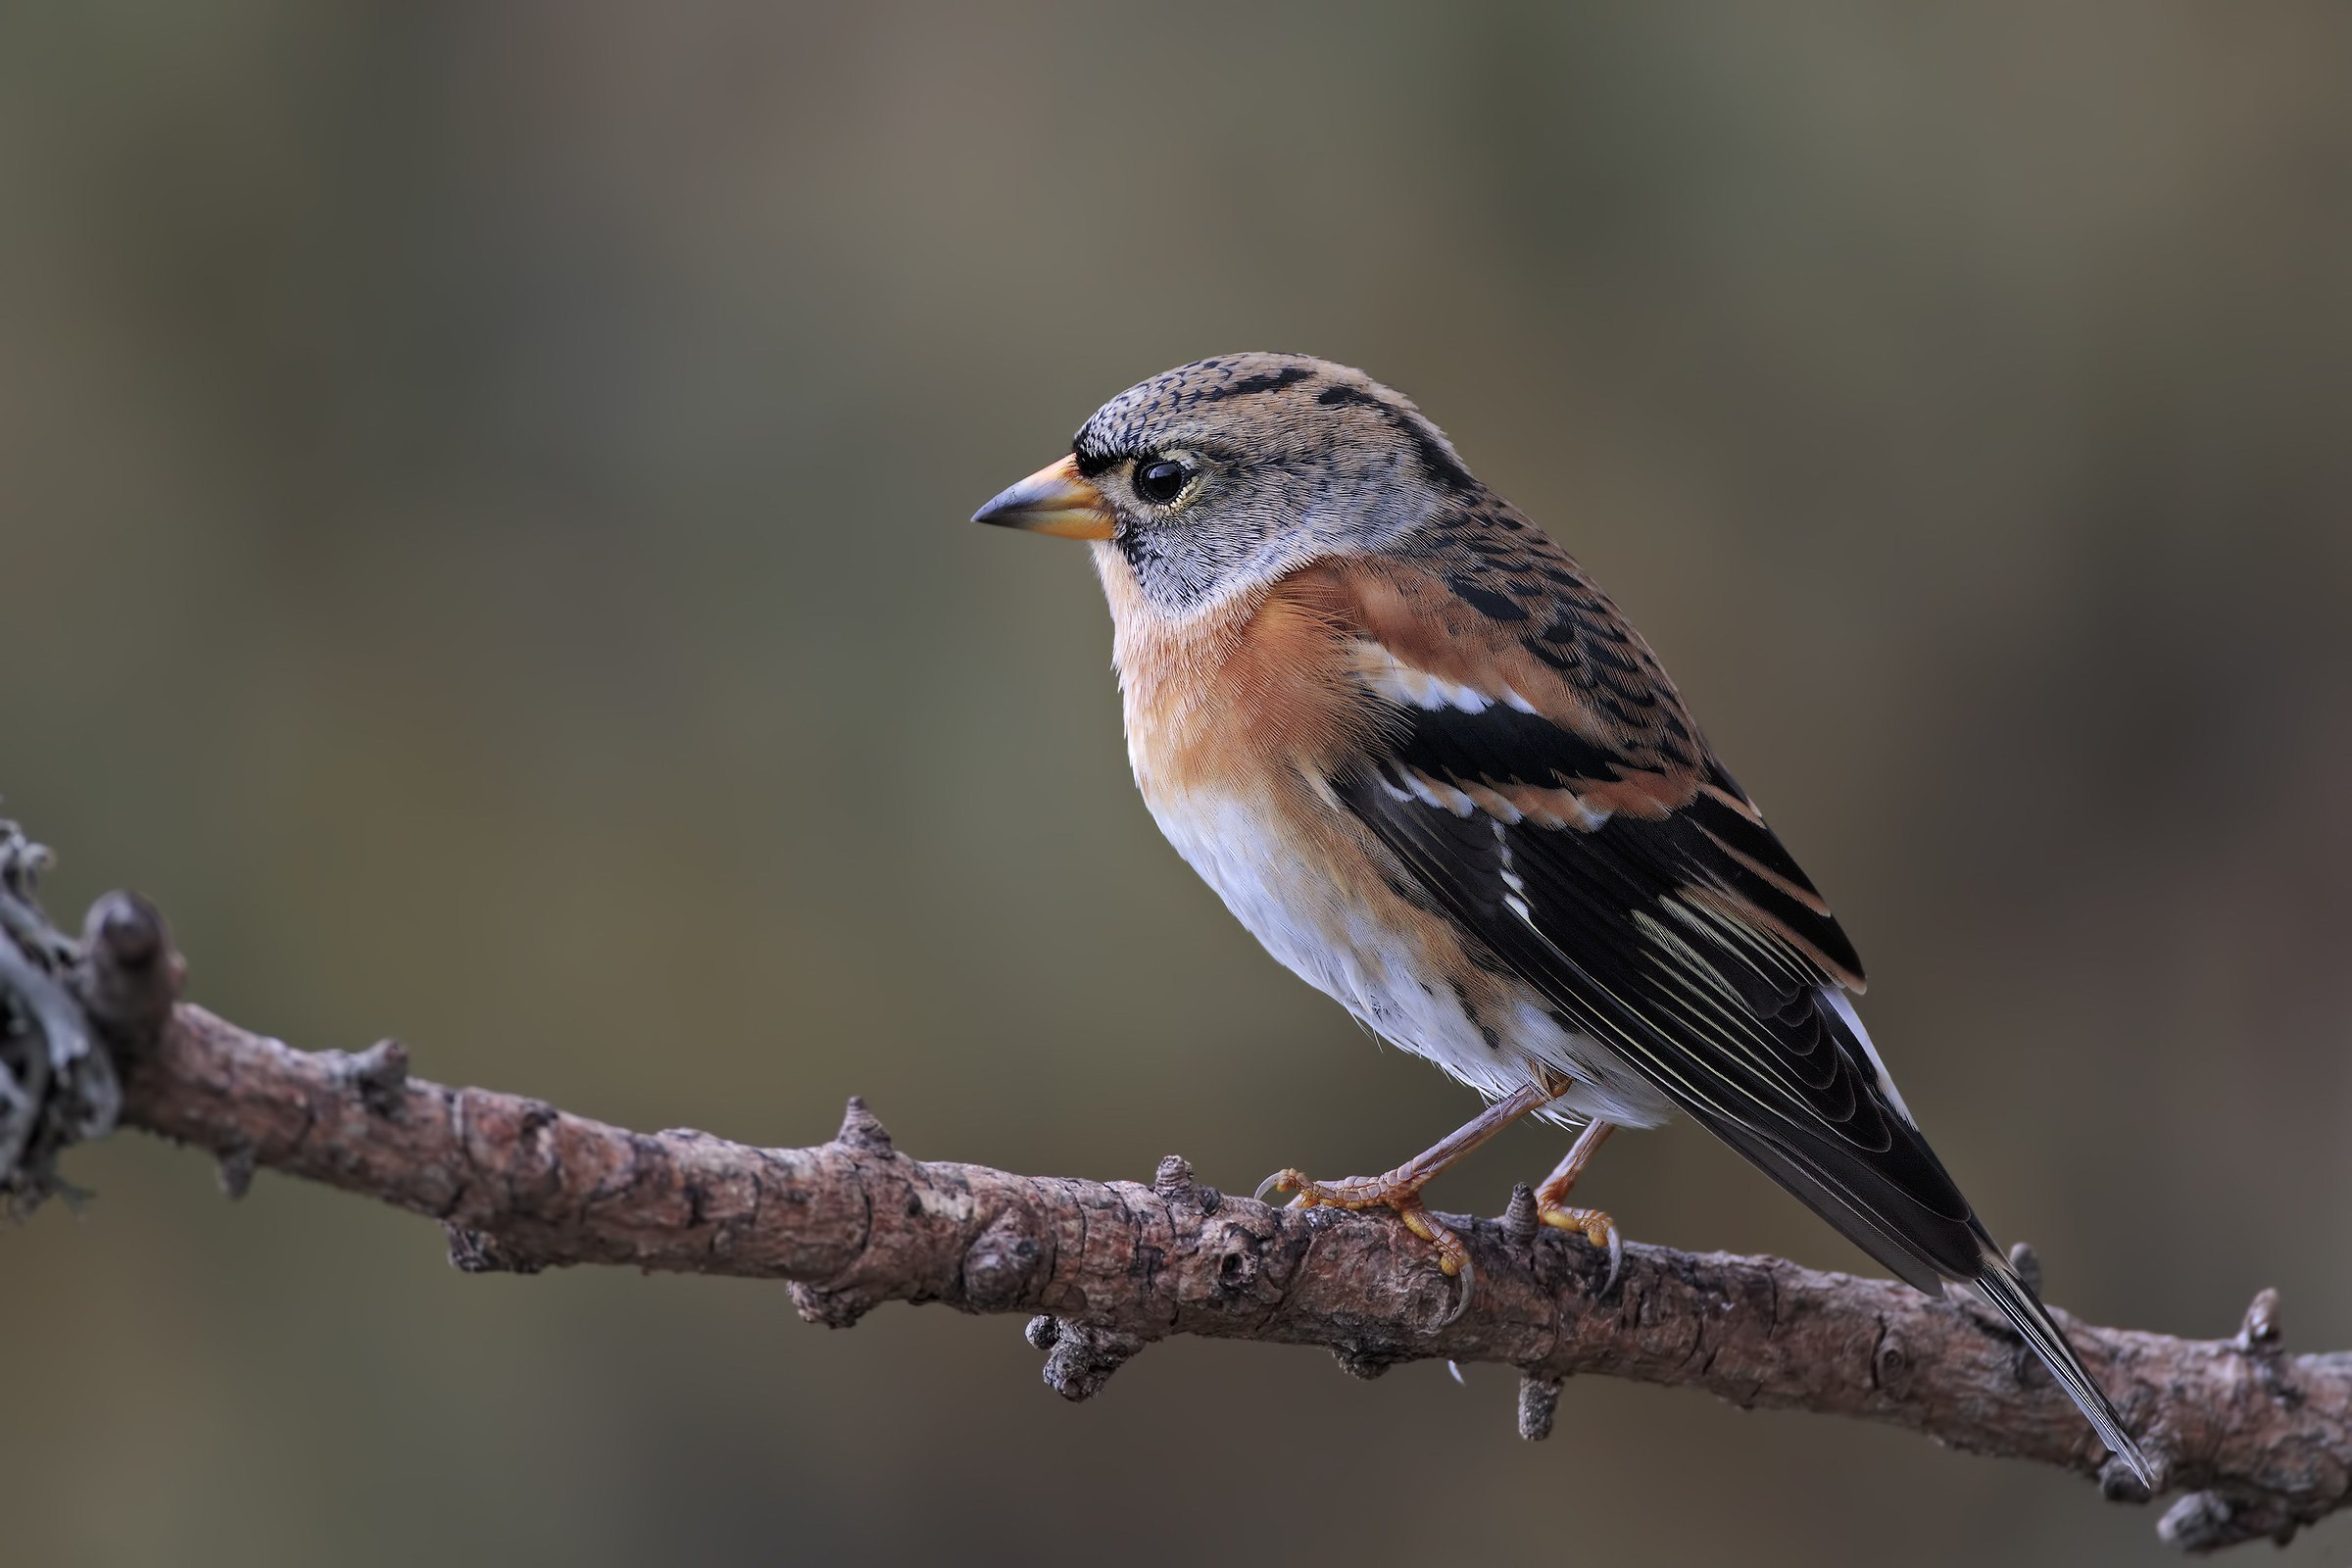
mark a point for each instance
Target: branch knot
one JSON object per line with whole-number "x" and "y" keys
{"x": 379, "y": 1075}
{"x": 1519, "y": 1221}
{"x": 2262, "y": 1334}
{"x": 1080, "y": 1358}
{"x": 861, "y": 1129}
{"x": 1002, "y": 1269}
{"x": 1538, "y": 1402}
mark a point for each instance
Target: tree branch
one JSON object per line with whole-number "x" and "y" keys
{"x": 2260, "y": 1441}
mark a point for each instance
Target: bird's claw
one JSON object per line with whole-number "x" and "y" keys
{"x": 1465, "y": 1285}
{"x": 1281, "y": 1181}
{"x": 1395, "y": 1191}
{"x": 1349, "y": 1192}
{"x": 1453, "y": 1258}
{"x": 1594, "y": 1225}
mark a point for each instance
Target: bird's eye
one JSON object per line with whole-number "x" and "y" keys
{"x": 1160, "y": 480}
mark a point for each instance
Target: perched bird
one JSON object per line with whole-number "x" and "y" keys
{"x": 1431, "y": 767}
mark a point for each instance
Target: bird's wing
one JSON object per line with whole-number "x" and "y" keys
{"x": 1532, "y": 769}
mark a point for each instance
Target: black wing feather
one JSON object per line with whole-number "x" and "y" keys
{"x": 1638, "y": 932}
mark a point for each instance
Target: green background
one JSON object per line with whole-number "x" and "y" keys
{"x": 482, "y": 497}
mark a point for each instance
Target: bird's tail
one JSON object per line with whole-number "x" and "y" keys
{"x": 2015, "y": 1299}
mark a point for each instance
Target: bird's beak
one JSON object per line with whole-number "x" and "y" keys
{"x": 1058, "y": 500}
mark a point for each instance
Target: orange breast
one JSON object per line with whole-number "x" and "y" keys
{"x": 1251, "y": 698}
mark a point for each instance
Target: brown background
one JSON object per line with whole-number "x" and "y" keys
{"x": 482, "y": 526}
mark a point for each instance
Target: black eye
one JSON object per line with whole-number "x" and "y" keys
{"x": 1160, "y": 480}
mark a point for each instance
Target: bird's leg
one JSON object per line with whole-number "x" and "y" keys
{"x": 1551, "y": 1199}
{"x": 1400, "y": 1188}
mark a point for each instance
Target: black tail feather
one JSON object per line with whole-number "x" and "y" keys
{"x": 2000, "y": 1286}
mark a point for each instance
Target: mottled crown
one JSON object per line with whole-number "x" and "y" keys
{"x": 1260, "y": 405}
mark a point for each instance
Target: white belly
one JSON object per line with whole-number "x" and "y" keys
{"x": 1345, "y": 951}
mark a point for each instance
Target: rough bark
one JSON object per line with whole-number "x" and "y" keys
{"x": 2259, "y": 1440}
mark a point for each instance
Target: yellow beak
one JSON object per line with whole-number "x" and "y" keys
{"x": 1058, "y": 500}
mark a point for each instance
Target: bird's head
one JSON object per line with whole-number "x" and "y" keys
{"x": 1221, "y": 475}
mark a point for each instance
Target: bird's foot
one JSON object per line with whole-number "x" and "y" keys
{"x": 1554, "y": 1208}
{"x": 1399, "y": 1190}
{"x": 1592, "y": 1224}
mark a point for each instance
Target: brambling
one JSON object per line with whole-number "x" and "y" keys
{"x": 1431, "y": 767}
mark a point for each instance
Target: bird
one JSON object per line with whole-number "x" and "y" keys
{"x": 1430, "y": 766}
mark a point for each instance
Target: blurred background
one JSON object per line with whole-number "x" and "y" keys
{"x": 484, "y": 542}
